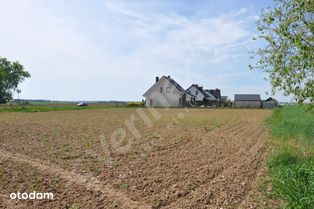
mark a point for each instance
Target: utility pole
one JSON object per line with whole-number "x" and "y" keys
{"x": 18, "y": 91}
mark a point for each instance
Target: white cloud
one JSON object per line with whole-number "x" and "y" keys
{"x": 177, "y": 36}
{"x": 175, "y": 44}
{"x": 31, "y": 32}
{"x": 65, "y": 46}
{"x": 123, "y": 9}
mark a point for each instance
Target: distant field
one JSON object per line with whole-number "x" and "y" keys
{"x": 59, "y": 106}
{"x": 165, "y": 158}
{"x": 50, "y": 107}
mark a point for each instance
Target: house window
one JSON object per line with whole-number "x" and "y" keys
{"x": 161, "y": 89}
{"x": 168, "y": 89}
{"x": 196, "y": 93}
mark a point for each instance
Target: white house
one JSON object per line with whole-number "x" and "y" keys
{"x": 199, "y": 94}
{"x": 213, "y": 94}
{"x": 165, "y": 92}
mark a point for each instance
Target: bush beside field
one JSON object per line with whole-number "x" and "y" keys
{"x": 291, "y": 166}
{"x": 135, "y": 104}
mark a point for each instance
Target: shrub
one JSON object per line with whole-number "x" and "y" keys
{"x": 135, "y": 104}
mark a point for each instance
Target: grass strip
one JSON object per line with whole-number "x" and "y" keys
{"x": 291, "y": 166}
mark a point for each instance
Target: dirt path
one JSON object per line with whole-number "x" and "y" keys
{"x": 84, "y": 181}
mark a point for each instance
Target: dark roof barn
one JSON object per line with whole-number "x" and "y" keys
{"x": 247, "y": 97}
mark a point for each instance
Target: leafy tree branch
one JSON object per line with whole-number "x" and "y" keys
{"x": 11, "y": 74}
{"x": 288, "y": 56}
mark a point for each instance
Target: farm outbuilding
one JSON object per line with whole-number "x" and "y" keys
{"x": 269, "y": 103}
{"x": 247, "y": 101}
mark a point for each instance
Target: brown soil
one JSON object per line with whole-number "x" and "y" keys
{"x": 193, "y": 158}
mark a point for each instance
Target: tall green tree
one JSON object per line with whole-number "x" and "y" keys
{"x": 11, "y": 74}
{"x": 288, "y": 55}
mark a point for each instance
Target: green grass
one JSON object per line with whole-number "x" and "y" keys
{"x": 292, "y": 122}
{"x": 47, "y": 108}
{"x": 124, "y": 186}
{"x": 75, "y": 206}
{"x": 31, "y": 108}
{"x": 291, "y": 166}
{"x": 36, "y": 183}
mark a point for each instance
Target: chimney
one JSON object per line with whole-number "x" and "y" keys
{"x": 201, "y": 87}
{"x": 168, "y": 76}
{"x": 157, "y": 79}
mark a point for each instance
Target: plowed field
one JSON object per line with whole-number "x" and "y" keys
{"x": 132, "y": 158}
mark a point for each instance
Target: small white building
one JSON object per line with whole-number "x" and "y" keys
{"x": 165, "y": 92}
{"x": 197, "y": 93}
{"x": 200, "y": 95}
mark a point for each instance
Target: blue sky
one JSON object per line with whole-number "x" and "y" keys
{"x": 113, "y": 50}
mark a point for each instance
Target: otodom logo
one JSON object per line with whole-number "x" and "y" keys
{"x": 31, "y": 196}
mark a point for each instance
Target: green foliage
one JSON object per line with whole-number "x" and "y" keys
{"x": 293, "y": 179}
{"x": 157, "y": 200}
{"x": 124, "y": 186}
{"x": 36, "y": 186}
{"x": 292, "y": 165}
{"x": 292, "y": 122}
{"x": 75, "y": 206}
{"x": 135, "y": 104}
{"x": 30, "y": 108}
{"x": 52, "y": 107}
{"x": 11, "y": 74}
{"x": 288, "y": 56}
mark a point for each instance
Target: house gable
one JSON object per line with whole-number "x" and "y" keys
{"x": 210, "y": 95}
{"x": 215, "y": 92}
{"x": 165, "y": 83}
{"x": 196, "y": 91}
{"x": 165, "y": 93}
